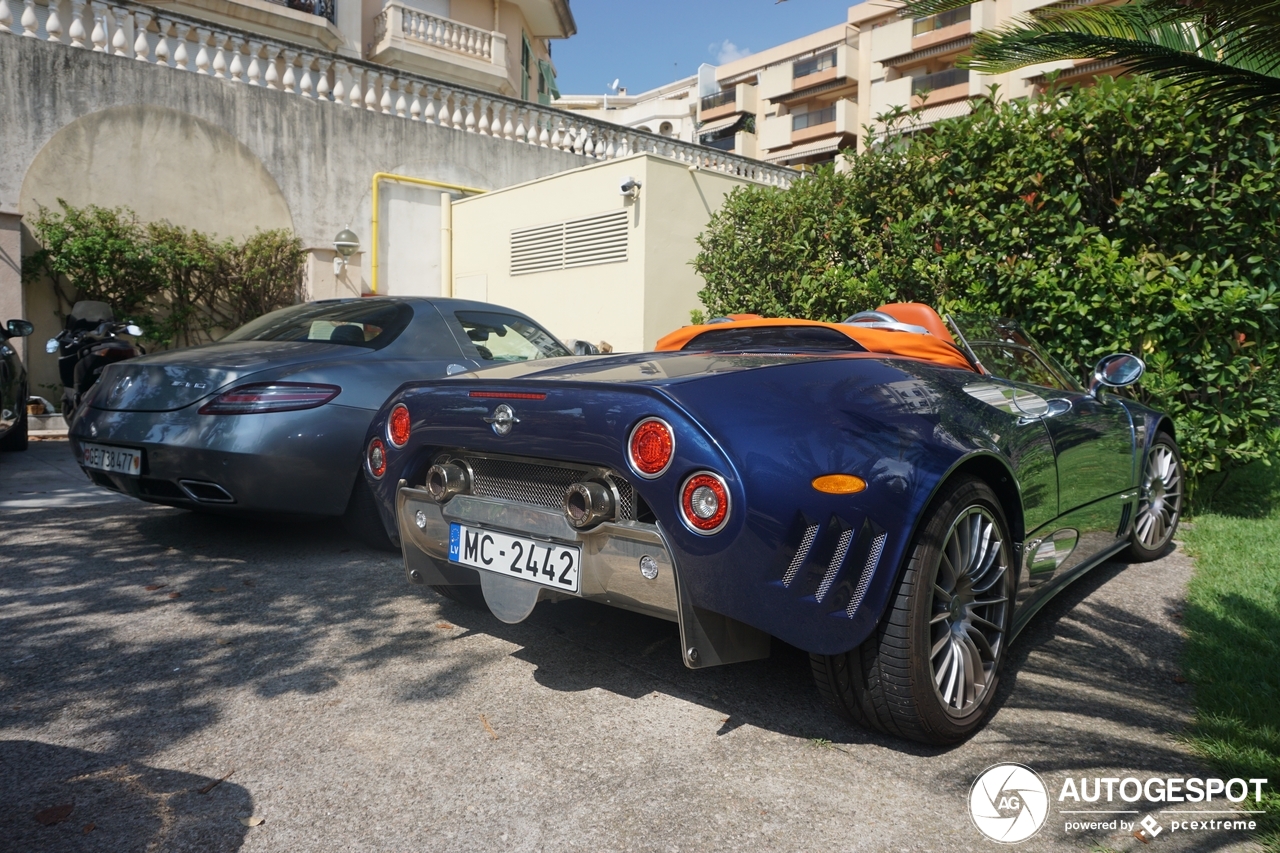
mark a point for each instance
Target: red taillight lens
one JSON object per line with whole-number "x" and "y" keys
{"x": 377, "y": 458}
{"x": 651, "y": 447}
{"x": 265, "y": 397}
{"x": 704, "y": 502}
{"x": 398, "y": 426}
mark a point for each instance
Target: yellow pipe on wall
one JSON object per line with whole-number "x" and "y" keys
{"x": 379, "y": 177}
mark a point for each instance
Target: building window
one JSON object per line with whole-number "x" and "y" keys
{"x": 526, "y": 66}
{"x": 924, "y": 26}
{"x": 813, "y": 118}
{"x": 814, "y": 64}
{"x": 719, "y": 99}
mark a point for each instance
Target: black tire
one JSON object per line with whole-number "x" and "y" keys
{"x": 888, "y": 683}
{"x": 469, "y": 596}
{"x": 1158, "y": 503}
{"x": 362, "y": 519}
{"x": 15, "y": 439}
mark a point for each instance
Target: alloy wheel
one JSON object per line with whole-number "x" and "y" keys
{"x": 1160, "y": 501}
{"x": 970, "y": 610}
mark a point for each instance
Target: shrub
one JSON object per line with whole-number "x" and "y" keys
{"x": 1121, "y": 217}
{"x": 182, "y": 287}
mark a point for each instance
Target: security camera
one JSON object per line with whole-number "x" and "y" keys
{"x": 630, "y": 187}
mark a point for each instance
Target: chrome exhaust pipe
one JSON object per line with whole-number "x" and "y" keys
{"x": 446, "y": 480}
{"x": 588, "y": 503}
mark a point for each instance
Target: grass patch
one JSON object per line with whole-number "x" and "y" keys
{"x": 1232, "y": 617}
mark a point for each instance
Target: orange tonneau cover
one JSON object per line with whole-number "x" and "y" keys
{"x": 923, "y": 347}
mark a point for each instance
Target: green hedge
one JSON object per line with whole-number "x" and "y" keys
{"x": 1121, "y": 217}
{"x": 182, "y": 287}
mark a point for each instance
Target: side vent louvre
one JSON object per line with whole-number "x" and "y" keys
{"x": 593, "y": 240}
{"x": 837, "y": 562}
{"x": 802, "y": 554}
{"x": 868, "y": 570}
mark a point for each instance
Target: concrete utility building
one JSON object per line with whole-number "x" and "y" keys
{"x": 587, "y": 259}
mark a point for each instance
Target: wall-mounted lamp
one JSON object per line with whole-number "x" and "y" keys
{"x": 345, "y": 244}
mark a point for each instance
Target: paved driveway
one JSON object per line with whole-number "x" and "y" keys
{"x": 148, "y": 652}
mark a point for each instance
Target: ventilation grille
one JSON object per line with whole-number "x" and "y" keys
{"x": 873, "y": 560}
{"x": 539, "y": 485}
{"x": 802, "y": 554}
{"x": 600, "y": 239}
{"x": 837, "y": 561}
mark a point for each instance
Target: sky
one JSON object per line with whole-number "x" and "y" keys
{"x": 648, "y": 43}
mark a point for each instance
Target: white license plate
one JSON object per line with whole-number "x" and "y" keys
{"x": 118, "y": 460}
{"x": 516, "y": 556}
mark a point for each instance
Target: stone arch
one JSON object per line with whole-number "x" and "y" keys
{"x": 164, "y": 164}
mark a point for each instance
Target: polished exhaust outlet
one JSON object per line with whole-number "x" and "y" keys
{"x": 446, "y": 480}
{"x": 588, "y": 503}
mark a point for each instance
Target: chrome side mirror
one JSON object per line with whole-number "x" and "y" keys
{"x": 135, "y": 331}
{"x": 1116, "y": 371}
{"x": 51, "y": 346}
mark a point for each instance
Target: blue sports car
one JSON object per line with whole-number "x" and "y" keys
{"x": 895, "y": 495}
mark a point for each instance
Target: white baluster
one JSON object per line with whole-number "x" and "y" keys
{"x": 482, "y": 127}
{"x": 610, "y": 151}
{"x": 323, "y": 89}
{"x": 385, "y": 104}
{"x": 30, "y": 23}
{"x": 271, "y": 75}
{"x": 6, "y": 18}
{"x": 520, "y": 128}
{"x": 236, "y": 68}
{"x": 306, "y": 83}
{"x": 162, "y": 41}
{"x": 508, "y": 126}
{"x": 53, "y": 23}
{"x": 354, "y": 98}
{"x": 220, "y": 61}
{"x": 456, "y": 119}
{"x": 141, "y": 47}
{"x": 341, "y": 70}
{"x": 415, "y": 107}
{"x": 558, "y": 136}
{"x": 468, "y": 110}
{"x": 255, "y": 63}
{"x": 203, "y": 61}
{"x": 76, "y": 31}
{"x": 181, "y": 57}
{"x": 119, "y": 39}
{"x": 99, "y": 34}
{"x": 402, "y": 102}
{"x": 289, "y": 80}
{"x": 371, "y": 92}
{"x": 544, "y": 137}
{"x": 429, "y": 110}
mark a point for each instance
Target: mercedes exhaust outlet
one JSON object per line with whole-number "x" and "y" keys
{"x": 588, "y": 503}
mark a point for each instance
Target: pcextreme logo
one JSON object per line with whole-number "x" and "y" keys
{"x": 1010, "y": 803}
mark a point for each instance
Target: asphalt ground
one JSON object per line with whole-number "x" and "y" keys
{"x": 149, "y": 652}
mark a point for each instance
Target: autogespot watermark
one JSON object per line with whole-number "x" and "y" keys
{"x": 1010, "y": 803}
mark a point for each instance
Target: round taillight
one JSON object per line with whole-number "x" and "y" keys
{"x": 377, "y": 458}
{"x": 704, "y": 502}
{"x": 651, "y": 448}
{"x": 398, "y": 426}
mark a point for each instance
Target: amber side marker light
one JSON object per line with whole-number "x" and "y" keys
{"x": 839, "y": 484}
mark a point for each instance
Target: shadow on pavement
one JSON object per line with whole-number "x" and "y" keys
{"x": 115, "y": 804}
{"x": 296, "y": 605}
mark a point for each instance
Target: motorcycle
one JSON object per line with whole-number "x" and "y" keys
{"x": 86, "y": 345}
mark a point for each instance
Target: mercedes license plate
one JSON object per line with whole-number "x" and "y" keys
{"x": 546, "y": 563}
{"x": 117, "y": 460}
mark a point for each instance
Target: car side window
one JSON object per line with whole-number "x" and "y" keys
{"x": 1017, "y": 364}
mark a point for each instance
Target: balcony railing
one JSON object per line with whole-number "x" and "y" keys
{"x": 923, "y": 26}
{"x": 323, "y": 8}
{"x": 719, "y": 99}
{"x": 939, "y": 80}
{"x": 443, "y": 33}
{"x": 229, "y": 56}
{"x": 813, "y": 118}
{"x": 814, "y": 64}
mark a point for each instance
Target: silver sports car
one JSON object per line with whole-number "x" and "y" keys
{"x": 272, "y": 418}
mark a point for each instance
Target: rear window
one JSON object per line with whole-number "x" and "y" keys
{"x": 507, "y": 337}
{"x": 774, "y": 339}
{"x": 368, "y": 323}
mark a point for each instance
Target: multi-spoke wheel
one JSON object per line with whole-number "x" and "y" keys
{"x": 930, "y": 670}
{"x": 1159, "y": 500}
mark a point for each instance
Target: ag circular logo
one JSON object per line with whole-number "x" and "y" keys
{"x": 1008, "y": 803}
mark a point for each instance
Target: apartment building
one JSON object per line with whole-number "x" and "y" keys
{"x": 803, "y": 102}
{"x": 500, "y": 46}
{"x": 670, "y": 110}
